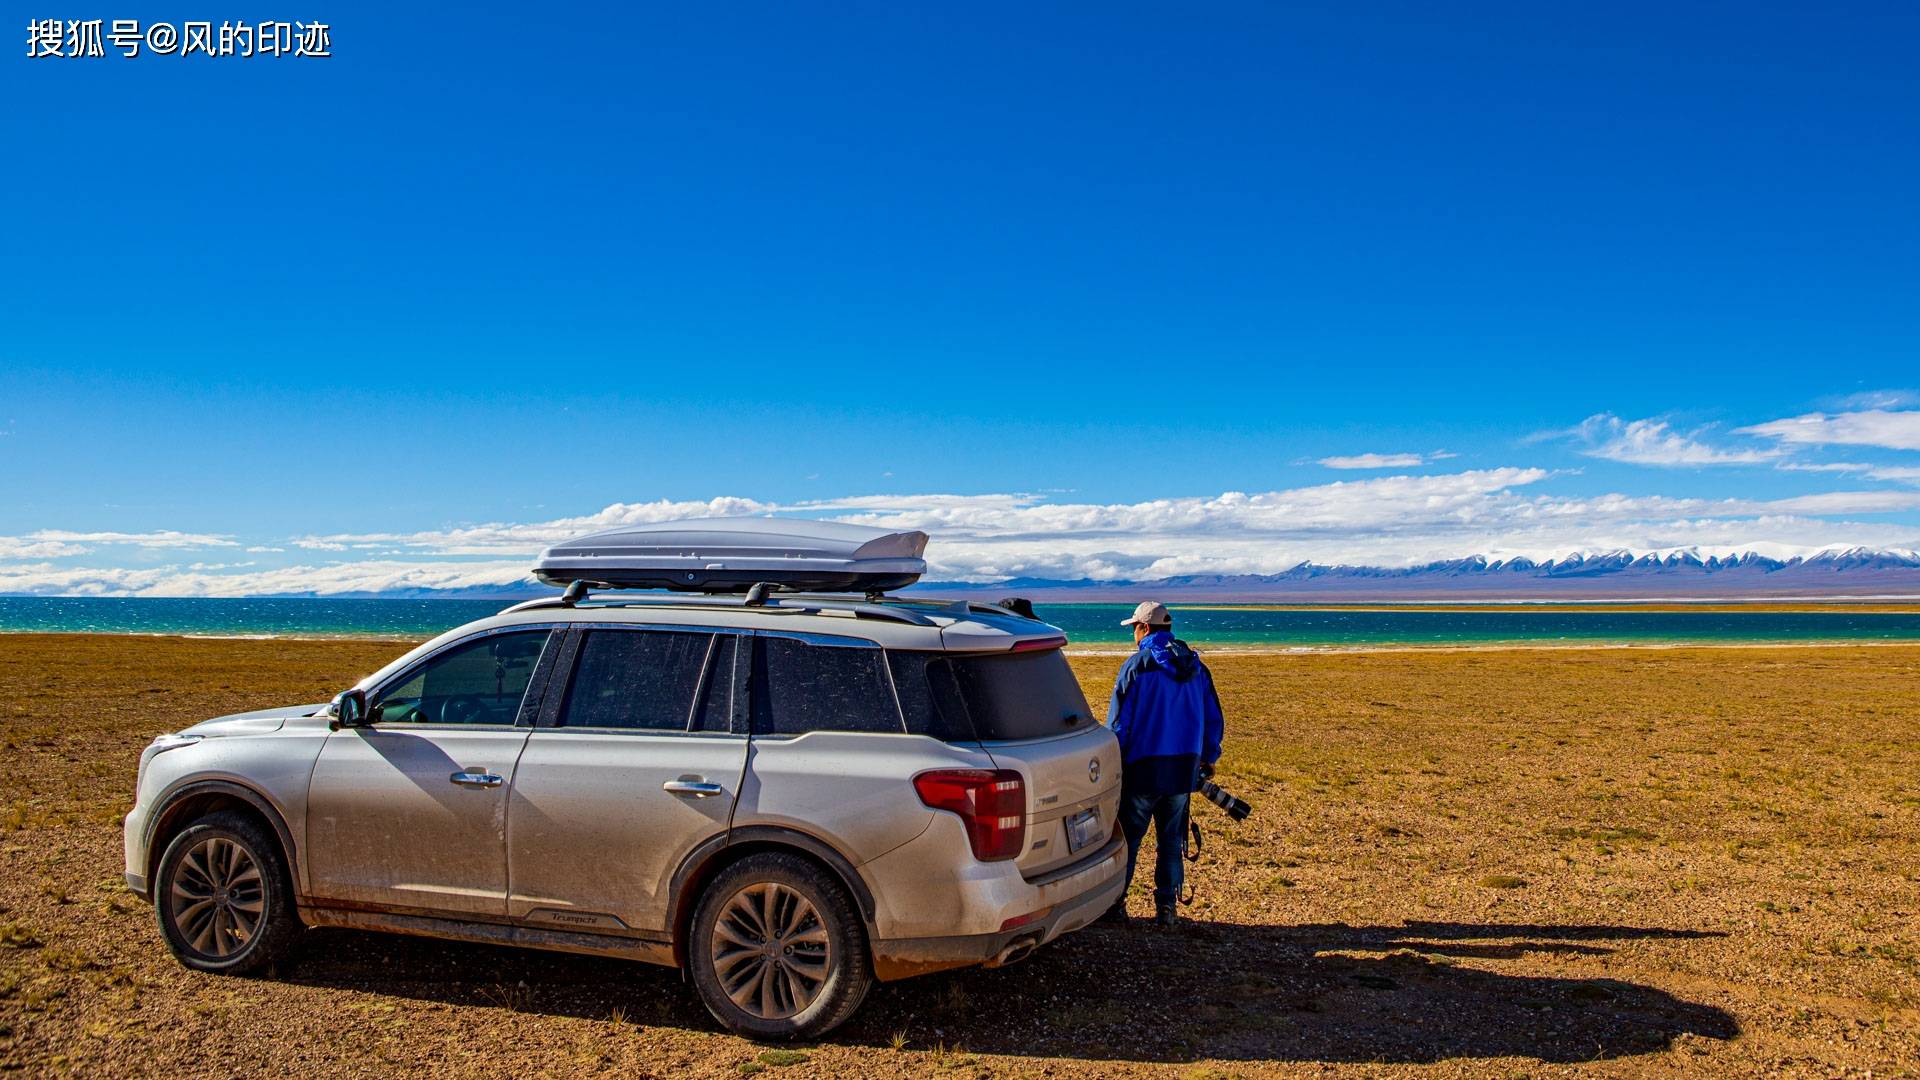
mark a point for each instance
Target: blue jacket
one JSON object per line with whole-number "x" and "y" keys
{"x": 1167, "y": 716}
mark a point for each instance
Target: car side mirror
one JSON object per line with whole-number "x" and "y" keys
{"x": 349, "y": 709}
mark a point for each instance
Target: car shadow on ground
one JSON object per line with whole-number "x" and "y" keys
{"x": 1418, "y": 992}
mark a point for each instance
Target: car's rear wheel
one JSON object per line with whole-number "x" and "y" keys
{"x": 222, "y": 896}
{"x": 778, "y": 950}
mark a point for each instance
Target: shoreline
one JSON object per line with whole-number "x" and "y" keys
{"x": 1118, "y": 648}
{"x": 1505, "y": 646}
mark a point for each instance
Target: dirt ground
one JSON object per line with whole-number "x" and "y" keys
{"x": 1469, "y": 863}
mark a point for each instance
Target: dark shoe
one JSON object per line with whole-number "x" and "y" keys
{"x": 1115, "y": 915}
{"x": 1165, "y": 917}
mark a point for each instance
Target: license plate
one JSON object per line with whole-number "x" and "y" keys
{"x": 1083, "y": 828}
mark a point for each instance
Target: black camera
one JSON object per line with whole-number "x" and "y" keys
{"x": 1236, "y": 808}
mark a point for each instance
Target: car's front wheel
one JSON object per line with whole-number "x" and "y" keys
{"x": 778, "y": 950}
{"x": 222, "y": 896}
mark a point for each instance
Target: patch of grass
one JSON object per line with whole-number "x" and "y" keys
{"x": 897, "y": 1042}
{"x": 1882, "y": 996}
{"x": 781, "y": 1058}
{"x": 1503, "y": 881}
{"x": 515, "y": 998}
{"x": 15, "y": 935}
{"x": 1895, "y": 954}
{"x": 65, "y": 958}
{"x": 41, "y": 994}
{"x": 956, "y": 1058}
{"x": 954, "y": 1002}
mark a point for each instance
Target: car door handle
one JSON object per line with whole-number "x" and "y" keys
{"x": 477, "y": 779}
{"x": 699, "y": 789}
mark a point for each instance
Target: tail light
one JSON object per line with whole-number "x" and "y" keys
{"x": 992, "y": 802}
{"x": 1038, "y": 644}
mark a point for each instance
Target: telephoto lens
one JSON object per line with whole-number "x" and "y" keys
{"x": 1237, "y": 809}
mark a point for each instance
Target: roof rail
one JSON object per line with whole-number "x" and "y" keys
{"x": 761, "y": 596}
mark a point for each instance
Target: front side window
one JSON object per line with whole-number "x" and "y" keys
{"x": 479, "y": 682}
{"x": 800, "y": 687}
{"x": 638, "y": 679}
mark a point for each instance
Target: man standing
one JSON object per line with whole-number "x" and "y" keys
{"x": 1166, "y": 714}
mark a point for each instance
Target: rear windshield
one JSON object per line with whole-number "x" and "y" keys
{"x": 994, "y": 697}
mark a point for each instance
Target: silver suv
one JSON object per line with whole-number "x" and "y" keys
{"x": 788, "y": 796}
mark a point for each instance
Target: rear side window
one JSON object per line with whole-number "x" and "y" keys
{"x": 799, "y": 687}
{"x": 639, "y": 679}
{"x": 993, "y": 697}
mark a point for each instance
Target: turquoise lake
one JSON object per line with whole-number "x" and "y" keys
{"x": 1084, "y": 623}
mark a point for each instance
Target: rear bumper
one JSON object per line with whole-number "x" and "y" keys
{"x": 1090, "y": 889}
{"x": 137, "y": 885}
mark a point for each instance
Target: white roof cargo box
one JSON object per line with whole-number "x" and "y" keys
{"x": 720, "y": 555}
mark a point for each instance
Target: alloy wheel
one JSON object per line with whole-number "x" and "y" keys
{"x": 218, "y": 897}
{"x": 771, "y": 951}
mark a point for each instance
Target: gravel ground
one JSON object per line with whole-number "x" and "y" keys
{"x": 1472, "y": 863}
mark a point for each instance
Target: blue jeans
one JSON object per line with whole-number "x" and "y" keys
{"x": 1169, "y": 816}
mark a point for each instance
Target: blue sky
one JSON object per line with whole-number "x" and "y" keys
{"x": 1055, "y": 285}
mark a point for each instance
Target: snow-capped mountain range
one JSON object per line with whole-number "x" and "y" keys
{"x": 1678, "y": 573}
{"x": 1668, "y": 573}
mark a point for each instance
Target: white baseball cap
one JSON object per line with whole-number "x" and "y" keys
{"x": 1149, "y": 613}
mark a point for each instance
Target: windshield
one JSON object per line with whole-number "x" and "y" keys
{"x": 994, "y": 697}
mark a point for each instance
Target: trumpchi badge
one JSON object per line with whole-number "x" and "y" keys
{"x": 1093, "y": 769}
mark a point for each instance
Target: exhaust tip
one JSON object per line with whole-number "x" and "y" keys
{"x": 1014, "y": 953}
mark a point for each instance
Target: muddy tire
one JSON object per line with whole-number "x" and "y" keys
{"x": 778, "y": 950}
{"x": 223, "y": 896}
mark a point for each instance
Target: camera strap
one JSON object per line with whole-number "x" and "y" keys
{"x": 1190, "y": 848}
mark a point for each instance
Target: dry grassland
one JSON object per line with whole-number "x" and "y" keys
{"x": 1499, "y": 862}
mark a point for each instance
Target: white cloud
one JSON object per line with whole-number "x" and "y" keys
{"x": 1392, "y": 521}
{"x": 1374, "y": 461}
{"x": 1877, "y": 399}
{"x": 203, "y": 580}
{"x": 1906, "y": 474}
{"x": 1893, "y": 430}
{"x": 1392, "y": 504}
{"x": 1848, "y": 502}
{"x": 1654, "y": 442}
{"x": 15, "y": 547}
{"x": 502, "y": 538}
{"x": 1379, "y": 521}
{"x": 165, "y": 538}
